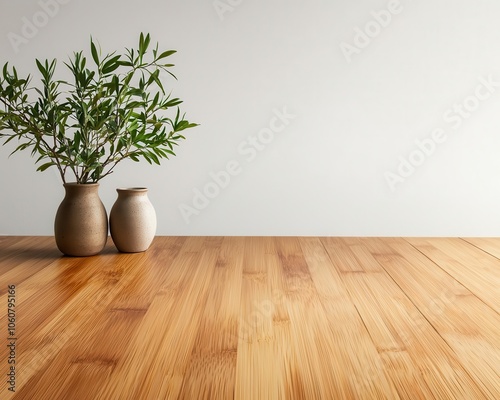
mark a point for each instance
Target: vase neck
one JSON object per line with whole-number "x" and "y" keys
{"x": 74, "y": 187}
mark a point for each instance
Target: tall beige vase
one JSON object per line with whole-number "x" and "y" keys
{"x": 81, "y": 223}
{"x": 132, "y": 220}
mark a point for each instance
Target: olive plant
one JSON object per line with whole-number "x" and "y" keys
{"x": 114, "y": 107}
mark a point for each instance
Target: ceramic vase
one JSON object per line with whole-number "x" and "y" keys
{"x": 132, "y": 220}
{"x": 81, "y": 223}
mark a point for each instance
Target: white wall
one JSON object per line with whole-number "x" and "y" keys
{"x": 355, "y": 117}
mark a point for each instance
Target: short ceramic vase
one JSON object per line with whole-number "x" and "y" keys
{"x": 132, "y": 220}
{"x": 81, "y": 223}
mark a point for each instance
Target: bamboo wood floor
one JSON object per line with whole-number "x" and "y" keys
{"x": 254, "y": 318}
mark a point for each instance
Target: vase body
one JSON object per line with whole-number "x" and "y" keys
{"x": 81, "y": 223}
{"x": 132, "y": 220}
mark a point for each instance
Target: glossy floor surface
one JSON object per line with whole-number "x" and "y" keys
{"x": 253, "y": 318}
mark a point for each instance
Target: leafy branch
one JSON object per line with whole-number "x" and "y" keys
{"x": 115, "y": 109}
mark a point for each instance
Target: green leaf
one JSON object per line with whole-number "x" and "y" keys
{"x": 166, "y": 54}
{"x": 111, "y": 65}
{"x": 77, "y": 140}
{"x": 93, "y": 50}
{"x": 143, "y": 47}
{"x": 20, "y": 147}
{"x": 5, "y": 70}
{"x": 171, "y": 103}
{"x": 145, "y": 43}
{"x": 154, "y": 158}
{"x": 141, "y": 41}
{"x": 40, "y": 67}
{"x": 134, "y": 104}
{"x": 43, "y": 167}
{"x": 185, "y": 125}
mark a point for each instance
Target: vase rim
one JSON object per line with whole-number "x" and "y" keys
{"x": 132, "y": 189}
{"x": 81, "y": 184}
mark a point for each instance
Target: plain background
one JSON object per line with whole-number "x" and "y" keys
{"x": 355, "y": 120}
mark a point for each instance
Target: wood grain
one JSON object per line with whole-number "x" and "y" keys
{"x": 255, "y": 318}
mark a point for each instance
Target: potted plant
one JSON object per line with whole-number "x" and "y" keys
{"x": 115, "y": 107}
